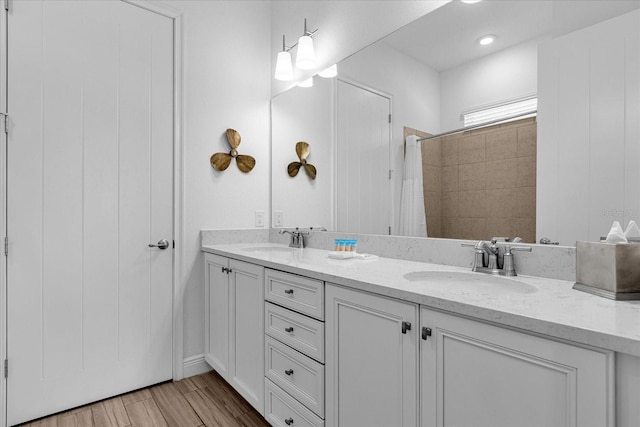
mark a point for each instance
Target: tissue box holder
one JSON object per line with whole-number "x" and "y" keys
{"x": 608, "y": 270}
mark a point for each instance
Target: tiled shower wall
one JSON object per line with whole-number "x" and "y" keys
{"x": 482, "y": 183}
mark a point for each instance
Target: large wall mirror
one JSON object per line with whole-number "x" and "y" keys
{"x": 500, "y": 180}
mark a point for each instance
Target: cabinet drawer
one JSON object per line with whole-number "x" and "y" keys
{"x": 300, "y": 332}
{"x": 280, "y": 408}
{"x": 297, "y": 374}
{"x": 296, "y": 292}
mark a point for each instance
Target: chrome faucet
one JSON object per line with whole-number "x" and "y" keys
{"x": 297, "y": 237}
{"x": 488, "y": 258}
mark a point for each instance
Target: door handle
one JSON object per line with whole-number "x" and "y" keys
{"x": 162, "y": 244}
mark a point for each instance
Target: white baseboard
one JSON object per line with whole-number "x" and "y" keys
{"x": 195, "y": 365}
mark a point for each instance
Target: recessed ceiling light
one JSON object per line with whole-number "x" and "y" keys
{"x": 488, "y": 39}
{"x": 470, "y": 1}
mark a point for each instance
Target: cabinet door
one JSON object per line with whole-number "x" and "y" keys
{"x": 371, "y": 365}
{"x": 475, "y": 374}
{"x": 246, "y": 331}
{"x": 217, "y": 313}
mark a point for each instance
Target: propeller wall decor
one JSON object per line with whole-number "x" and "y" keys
{"x": 302, "y": 150}
{"x": 221, "y": 161}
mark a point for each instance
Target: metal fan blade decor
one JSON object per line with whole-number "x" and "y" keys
{"x": 221, "y": 161}
{"x": 302, "y": 150}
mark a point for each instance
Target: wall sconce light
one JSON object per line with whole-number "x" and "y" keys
{"x": 284, "y": 69}
{"x": 305, "y": 59}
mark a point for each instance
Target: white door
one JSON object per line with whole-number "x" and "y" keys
{"x": 89, "y": 187}
{"x": 363, "y": 161}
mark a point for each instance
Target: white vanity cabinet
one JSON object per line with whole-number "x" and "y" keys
{"x": 473, "y": 373}
{"x": 371, "y": 360}
{"x": 234, "y": 325}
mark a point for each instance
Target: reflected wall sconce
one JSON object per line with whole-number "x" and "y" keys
{"x": 305, "y": 58}
{"x": 329, "y": 72}
{"x": 306, "y": 83}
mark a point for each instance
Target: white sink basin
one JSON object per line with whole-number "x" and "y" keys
{"x": 470, "y": 282}
{"x": 269, "y": 249}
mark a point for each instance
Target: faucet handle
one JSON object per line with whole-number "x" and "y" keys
{"x": 478, "y": 260}
{"x": 509, "y": 267}
{"x": 508, "y": 249}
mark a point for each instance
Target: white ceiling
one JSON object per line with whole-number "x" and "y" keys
{"x": 446, "y": 37}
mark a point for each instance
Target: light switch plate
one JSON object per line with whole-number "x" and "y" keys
{"x": 278, "y": 218}
{"x": 259, "y": 218}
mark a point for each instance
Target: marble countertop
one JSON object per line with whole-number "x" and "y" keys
{"x": 545, "y": 306}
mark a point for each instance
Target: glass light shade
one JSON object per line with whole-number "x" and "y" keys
{"x": 306, "y": 57}
{"x": 284, "y": 69}
{"x": 327, "y": 73}
{"x": 306, "y": 83}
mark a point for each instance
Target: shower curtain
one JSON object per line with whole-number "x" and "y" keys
{"x": 413, "y": 220}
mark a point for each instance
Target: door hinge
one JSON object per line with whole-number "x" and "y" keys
{"x": 6, "y": 368}
{"x": 389, "y": 230}
{"x": 6, "y": 246}
{"x": 389, "y": 118}
{"x": 6, "y": 122}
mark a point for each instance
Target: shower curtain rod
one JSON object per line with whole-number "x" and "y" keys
{"x": 493, "y": 122}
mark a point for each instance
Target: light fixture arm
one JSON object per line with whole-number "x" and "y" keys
{"x": 286, "y": 48}
{"x": 308, "y": 33}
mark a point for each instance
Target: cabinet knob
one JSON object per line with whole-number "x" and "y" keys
{"x": 406, "y": 326}
{"x": 426, "y": 332}
{"x": 288, "y": 421}
{"x": 289, "y": 329}
{"x": 289, "y": 372}
{"x": 288, "y": 291}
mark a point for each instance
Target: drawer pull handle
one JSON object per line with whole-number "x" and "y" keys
{"x": 426, "y": 333}
{"x": 406, "y": 326}
{"x": 288, "y": 291}
{"x": 289, "y": 329}
{"x": 289, "y": 372}
{"x": 288, "y": 421}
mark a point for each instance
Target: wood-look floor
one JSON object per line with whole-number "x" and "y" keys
{"x": 203, "y": 400}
